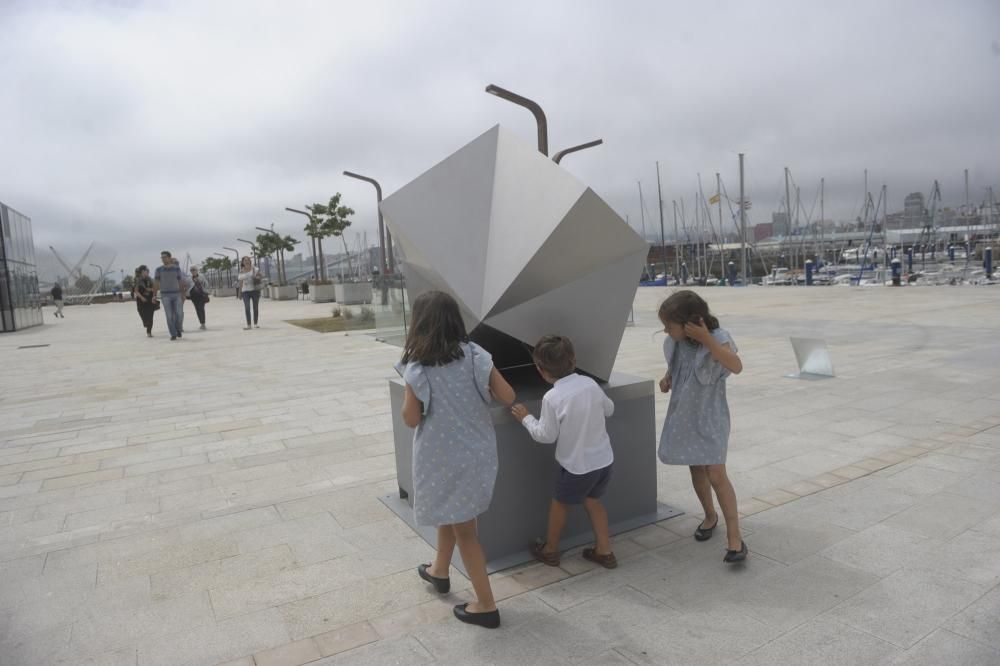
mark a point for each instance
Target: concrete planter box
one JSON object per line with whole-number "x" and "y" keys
{"x": 353, "y": 293}
{"x": 223, "y": 292}
{"x": 286, "y": 293}
{"x": 322, "y": 293}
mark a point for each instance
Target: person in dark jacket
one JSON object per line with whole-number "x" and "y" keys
{"x": 145, "y": 298}
{"x": 198, "y": 295}
{"x": 57, "y": 298}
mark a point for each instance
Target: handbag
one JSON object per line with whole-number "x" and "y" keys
{"x": 156, "y": 306}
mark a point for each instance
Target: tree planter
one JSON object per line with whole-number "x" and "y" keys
{"x": 223, "y": 292}
{"x": 284, "y": 293}
{"x": 322, "y": 293}
{"x": 353, "y": 293}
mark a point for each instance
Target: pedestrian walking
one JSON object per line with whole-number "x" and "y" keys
{"x": 145, "y": 298}
{"x": 57, "y": 299}
{"x": 198, "y": 295}
{"x": 250, "y": 281}
{"x": 167, "y": 285}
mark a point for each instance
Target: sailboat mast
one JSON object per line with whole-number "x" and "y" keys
{"x": 718, "y": 193}
{"x": 822, "y": 218}
{"x": 677, "y": 258}
{"x": 788, "y": 213}
{"x": 743, "y": 225}
{"x": 642, "y": 211}
{"x": 663, "y": 241}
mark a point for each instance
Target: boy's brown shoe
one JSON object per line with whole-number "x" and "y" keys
{"x": 607, "y": 561}
{"x": 538, "y": 552}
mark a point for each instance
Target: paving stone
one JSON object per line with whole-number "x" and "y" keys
{"x": 212, "y": 642}
{"x": 80, "y": 479}
{"x": 291, "y": 654}
{"x": 403, "y": 650}
{"x": 940, "y": 516}
{"x": 944, "y": 647}
{"x": 785, "y": 597}
{"x": 346, "y": 638}
{"x": 789, "y": 543}
{"x": 907, "y": 605}
{"x": 284, "y": 586}
{"x": 822, "y": 641}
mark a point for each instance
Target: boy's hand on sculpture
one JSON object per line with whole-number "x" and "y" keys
{"x": 519, "y": 411}
{"x": 665, "y": 384}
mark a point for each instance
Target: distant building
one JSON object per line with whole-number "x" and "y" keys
{"x": 914, "y": 212}
{"x": 762, "y": 231}
{"x": 20, "y": 302}
{"x": 779, "y": 222}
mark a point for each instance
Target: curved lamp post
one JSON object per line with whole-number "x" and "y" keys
{"x": 253, "y": 250}
{"x": 536, "y": 110}
{"x": 228, "y": 273}
{"x": 386, "y": 260}
{"x": 236, "y": 252}
{"x": 583, "y": 146}
{"x": 100, "y": 280}
{"x": 313, "y": 244}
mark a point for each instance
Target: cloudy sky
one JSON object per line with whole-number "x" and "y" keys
{"x": 183, "y": 125}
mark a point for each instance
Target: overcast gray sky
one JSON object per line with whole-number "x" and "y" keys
{"x": 182, "y": 125}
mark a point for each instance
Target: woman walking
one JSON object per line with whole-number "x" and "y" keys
{"x": 145, "y": 299}
{"x": 249, "y": 281}
{"x": 198, "y": 295}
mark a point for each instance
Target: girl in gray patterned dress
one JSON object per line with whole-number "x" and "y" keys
{"x": 700, "y": 356}
{"x": 450, "y": 382}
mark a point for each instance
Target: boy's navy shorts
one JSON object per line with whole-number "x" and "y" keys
{"x": 574, "y": 488}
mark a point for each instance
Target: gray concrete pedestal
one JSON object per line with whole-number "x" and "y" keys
{"x": 519, "y": 511}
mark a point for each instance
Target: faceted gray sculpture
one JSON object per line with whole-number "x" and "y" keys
{"x": 524, "y": 247}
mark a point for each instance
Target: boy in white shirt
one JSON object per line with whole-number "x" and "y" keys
{"x": 573, "y": 414}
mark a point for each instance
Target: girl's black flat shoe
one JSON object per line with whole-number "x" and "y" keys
{"x": 441, "y": 585}
{"x": 705, "y": 533}
{"x": 490, "y": 620}
{"x": 740, "y": 555}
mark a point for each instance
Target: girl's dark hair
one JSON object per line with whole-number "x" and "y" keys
{"x": 140, "y": 269}
{"x": 686, "y": 306}
{"x": 436, "y": 329}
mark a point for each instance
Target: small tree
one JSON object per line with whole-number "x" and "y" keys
{"x": 266, "y": 247}
{"x": 285, "y": 244}
{"x": 314, "y": 229}
{"x": 337, "y": 219}
{"x": 128, "y": 283}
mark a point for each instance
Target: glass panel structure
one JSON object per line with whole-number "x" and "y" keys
{"x": 20, "y": 302}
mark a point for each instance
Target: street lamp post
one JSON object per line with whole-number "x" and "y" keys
{"x": 386, "y": 260}
{"x": 253, "y": 250}
{"x": 100, "y": 280}
{"x": 312, "y": 244}
{"x": 583, "y": 146}
{"x": 536, "y": 110}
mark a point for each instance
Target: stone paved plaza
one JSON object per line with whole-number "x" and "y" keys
{"x": 215, "y": 500}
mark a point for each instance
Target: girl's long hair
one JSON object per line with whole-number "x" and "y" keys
{"x": 686, "y": 306}
{"x": 436, "y": 330}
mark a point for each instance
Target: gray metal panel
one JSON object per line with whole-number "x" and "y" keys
{"x": 536, "y": 243}
{"x": 591, "y": 311}
{"x": 531, "y": 197}
{"x": 589, "y": 237}
{"x": 442, "y": 218}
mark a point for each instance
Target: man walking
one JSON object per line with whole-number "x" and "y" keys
{"x": 198, "y": 295}
{"x": 168, "y": 284}
{"x": 57, "y": 299}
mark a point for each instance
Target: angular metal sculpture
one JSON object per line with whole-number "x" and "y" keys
{"x": 524, "y": 247}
